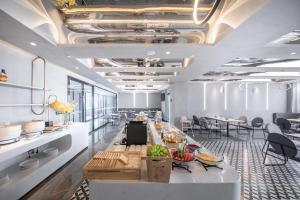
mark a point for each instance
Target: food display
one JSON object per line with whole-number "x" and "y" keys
{"x": 209, "y": 158}
{"x": 158, "y": 125}
{"x": 192, "y": 147}
{"x": 141, "y": 117}
{"x": 183, "y": 155}
{"x": 114, "y": 165}
{"x": 173, "y": 137}
{"x": 157, "y": 150}
{"x": 159, "y": 163}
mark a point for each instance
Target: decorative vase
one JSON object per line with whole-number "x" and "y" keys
{"x": 66, "y": 119}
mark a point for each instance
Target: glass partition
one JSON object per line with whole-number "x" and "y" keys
{"x": 94, "y": 104}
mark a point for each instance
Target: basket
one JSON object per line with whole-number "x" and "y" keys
{"x": 159, "y": 168}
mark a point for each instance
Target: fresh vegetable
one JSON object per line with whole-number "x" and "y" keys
{"x": 157, "y": 150}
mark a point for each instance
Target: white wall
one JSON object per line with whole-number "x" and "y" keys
{"x": 17, "y": 64}
{"x": 188, "y": 99}
{"x": 125, "y": 100}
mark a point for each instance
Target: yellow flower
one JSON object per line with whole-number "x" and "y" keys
{"x": 64, "y": 2}
{"x": 61, "y": 107}
{"x": 72, "y": 2}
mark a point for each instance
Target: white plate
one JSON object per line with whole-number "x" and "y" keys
{"x": 4, "y": 178}
{"x": 32, "y": 135}
{"x": 29, "y": 163}
{"x": 52, "y": 151}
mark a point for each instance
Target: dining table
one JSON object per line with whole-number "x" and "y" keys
{"x": 295, "y": 121}
{"x": 227, "y": 120}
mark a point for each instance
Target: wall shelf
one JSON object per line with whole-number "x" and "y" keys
{"x": 21, "y": 86}
{"x": 21, "y": 105}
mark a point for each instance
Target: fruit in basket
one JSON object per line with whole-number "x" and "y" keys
{"x": 157, "y": 150}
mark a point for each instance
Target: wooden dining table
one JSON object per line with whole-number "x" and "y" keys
{"x": 228, "y": 121}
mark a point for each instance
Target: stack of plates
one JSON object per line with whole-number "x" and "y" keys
{"x": 29, "y": 163}
{"x": 52, "y": 151}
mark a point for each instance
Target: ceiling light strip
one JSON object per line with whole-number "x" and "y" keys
{"x": 225, "y": 96}
{"x": 204, "y": 96}
{"x": 267, "y": 96}
{"x": 135, "y": 10}
{"x": 147, "y": 100}
{"x": 208, "y": 16}
{"x": 127, "y": 21}
{"x": 134, "y": 100}
{"x": 246, "y": 100}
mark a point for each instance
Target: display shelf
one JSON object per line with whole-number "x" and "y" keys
{"x": 21, "y": 86}
{"x": 16, "y": 173}
{"x": 10, "y": 150}
{"x": 69, "y": 142}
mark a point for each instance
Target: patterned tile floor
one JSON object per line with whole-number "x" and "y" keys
{"x": 258, "y": 181}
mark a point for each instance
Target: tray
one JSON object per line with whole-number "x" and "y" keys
{"x": 106, "y": 165}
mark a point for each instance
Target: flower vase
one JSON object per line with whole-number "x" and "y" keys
{"x": 66, "y": 118}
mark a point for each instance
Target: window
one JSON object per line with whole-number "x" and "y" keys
{"x": 92, "y": 103}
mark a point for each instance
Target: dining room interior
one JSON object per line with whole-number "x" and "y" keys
{"x": 140, "y": 99}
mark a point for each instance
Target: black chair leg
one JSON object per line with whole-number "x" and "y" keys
{"x": 262, "y": 150}
{"x": 285, "y": 159}
{"x": 266, "y": 153}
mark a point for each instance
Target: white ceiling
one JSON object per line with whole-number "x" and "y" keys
{"x": 250, "y": 39}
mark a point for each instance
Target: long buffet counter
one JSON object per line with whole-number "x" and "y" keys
{"x": 208, "y": 184}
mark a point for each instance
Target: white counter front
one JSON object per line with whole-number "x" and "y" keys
{"x": 69, "y": 143}
{"x": 214, "y": 184}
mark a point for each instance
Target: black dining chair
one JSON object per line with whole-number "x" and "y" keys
{"x": 282, "y": 147}
{"x": 284, "y": 125}
{"x": 196, "y": 122}
{"x": 257, "y": 124}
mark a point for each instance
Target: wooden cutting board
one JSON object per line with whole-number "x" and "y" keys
{"x": 106, "y": 165}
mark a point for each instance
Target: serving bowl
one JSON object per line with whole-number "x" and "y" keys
{"x": 9, "y": 133}
{"x": 34, "y": 126}
{"x": 29, "y": 163}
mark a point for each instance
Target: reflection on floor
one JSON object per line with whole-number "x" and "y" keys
{"x": 62, "y": 184}
{"x": 244, "y": 154}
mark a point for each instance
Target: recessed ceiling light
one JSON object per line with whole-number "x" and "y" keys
{"x": 168, "y": 52}
{"x": 281, "y": 73}
{"x": 33, "y": 44}
{"x": 256, "y": 80}
{"x": 151, "y": 53}
{"x": 293, "y": 53}
{"x": 69, "y": 56}
{"x": 77, "y": 68}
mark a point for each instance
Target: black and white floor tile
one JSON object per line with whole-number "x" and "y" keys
{"x": 258, "y": 181}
